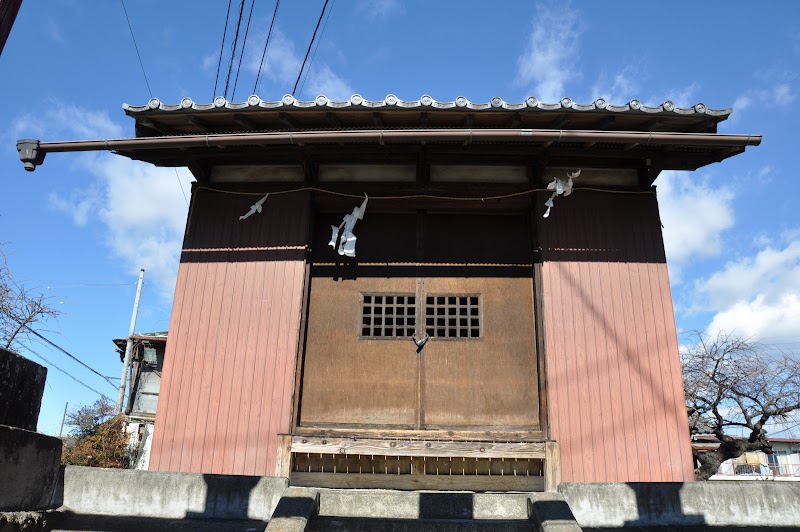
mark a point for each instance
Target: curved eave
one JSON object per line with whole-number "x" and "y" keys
{"x": 627, "y": 149}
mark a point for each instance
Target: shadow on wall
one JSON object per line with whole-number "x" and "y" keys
{"x": 659, "y": 504}
{"x": 227, "y": 497}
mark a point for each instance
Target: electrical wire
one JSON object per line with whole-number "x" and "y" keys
{"x": 136, "y": 47}
{"x": 221, "y": 49}
{"x": 40, "y": 357}
{"x": 787, "y": 429}
{"x": 241, "y": 55}
{"x": 303, "y": 86}
{"x": 180, "y": 185}
{"x": 313, "y": 36}
{"x": 422, "y": 196}
{"x": 233, "y": 48}
{"x": 141, "y": 64}
{"x": 266, "y": 46}
{"x": 73, "y": 357}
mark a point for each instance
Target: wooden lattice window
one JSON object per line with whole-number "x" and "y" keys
{"x": 453, "y": 316}
{"x": 389, "y": 316}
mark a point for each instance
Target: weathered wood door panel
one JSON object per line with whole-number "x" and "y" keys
{"x": 491, "y": 381}
{"x": 481, "y": 375}
{"x": 488, "y": 381}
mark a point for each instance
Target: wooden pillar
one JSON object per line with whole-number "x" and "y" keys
{"x": 283, "y": 462}
{"x": 552, "y": 466}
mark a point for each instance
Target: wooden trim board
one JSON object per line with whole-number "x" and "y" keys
{"x": 363, "y": 446}
{"x": 419, "y": 482}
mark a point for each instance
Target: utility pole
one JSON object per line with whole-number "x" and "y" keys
{"x": 61, "y": 430}
{"x": 129, "y": 346}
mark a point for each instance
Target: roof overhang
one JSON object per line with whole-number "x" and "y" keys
{"x": 598, "y": 135}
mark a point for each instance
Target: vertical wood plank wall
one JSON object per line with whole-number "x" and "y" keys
{"x": 614, "y": 378}
{"x": 228, "y": 379}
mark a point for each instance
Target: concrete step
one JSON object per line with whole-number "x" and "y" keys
{"x": 362, "y": 524}
{"x": 408, "y": 505}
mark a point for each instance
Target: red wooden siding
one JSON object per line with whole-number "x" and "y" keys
{"x": 229, "y": 368}
{"x": 614, "y": 378}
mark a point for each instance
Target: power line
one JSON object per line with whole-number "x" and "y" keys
{"x": 180, "y": 185}
{"x": 317, "y": 46}
{"x": 309, "y": 46}
{"x": 266, "y": 46}
{"x": 244, "y": 44}
{"x": 37, "y": 355}
{"x": 233, "y": 48}
{"x": 73, "y": 357}
{"x": 784, "y": 430}
{"x": 141, "y": 64}
{"x": 221, "y": 48}
{"x": 136, "y": 47}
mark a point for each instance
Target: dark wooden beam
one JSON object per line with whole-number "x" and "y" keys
{"x": 377, "y": 121}
{"x": 244, "y": 121}
{"x": 561, "y": 121}
{"x": 201, "y": 171}
{"x": 423, "y": 166}
{"x": 654, "y": 124}
{"x": 588, "y": 145}
{"x": 423, "y": 119}
{"x": 287, "y": 121}
{"x": 516, "y": 121}
{"x": 331, "y": 119}
{"x": 160, "y": 128}
{"x": 196, "y": 122}
{"x": 705, "y": 126}
{"x": 605, "y": 123}
{"x": 469, "y": 121}
{"x": 630, "y": 146}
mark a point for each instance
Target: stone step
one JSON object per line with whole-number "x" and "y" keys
{"x": 410, "y": 505}
{"x": 362, "y": 524}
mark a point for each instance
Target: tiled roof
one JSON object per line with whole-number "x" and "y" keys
{"x": 531, "y": 103}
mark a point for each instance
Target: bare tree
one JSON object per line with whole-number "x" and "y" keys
{"x": 21, "y": 309}
{"x": 734, "y": 384}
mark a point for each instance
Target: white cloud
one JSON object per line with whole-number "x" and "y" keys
{"x": 550, "y": 59}
{"x": 63, "y": 119}
{"x": 777, "y": 95}
{"x": 324, "y": 81}
{"x": 694, "y": 214}
{"x": 379, "y": 9}
{"x": 54, "y": 31}
{"x": 282, "y": 65}
{"x": 210, "y": 62}
{"x": 770, "y": 274}
{"x": 756, "y": 296}
{"x": 142, "y": 209}
{"x": 617, "y": 88}
{"x": 79, "y": 205}
{"x": 760, "y": 319}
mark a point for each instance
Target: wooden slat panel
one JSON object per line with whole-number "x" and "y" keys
{"x": 420, "y": 482}
{"x": 229, "y": 366}
{"x": 614, "y": 381}
{"x": 303, "y": 444}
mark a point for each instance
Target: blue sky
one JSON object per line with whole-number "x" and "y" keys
{"x": 82, "y": 225}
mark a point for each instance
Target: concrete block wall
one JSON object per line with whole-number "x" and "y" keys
{"x": 715, "y": 504}
{"x": 29, "y": 469}
{"x": 21, "y": 389}
{"x": 166, "y": 495}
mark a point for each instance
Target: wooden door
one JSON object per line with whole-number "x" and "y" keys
{"x": 462, "y": 285}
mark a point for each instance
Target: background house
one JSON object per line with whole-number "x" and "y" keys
{"x": 147, "y": 363}
{"x": 782, "y": 465}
